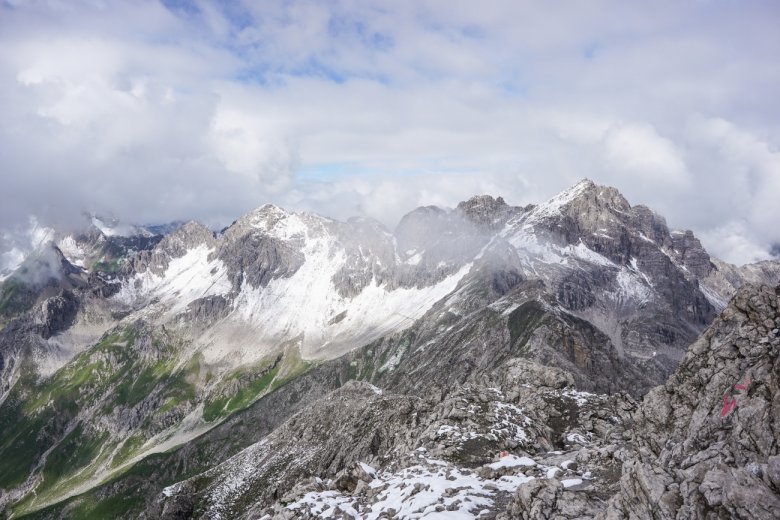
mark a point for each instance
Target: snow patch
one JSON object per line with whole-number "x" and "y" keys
{"x": 72, "y": 251}
{"x": 300, "y": 307}
{"x": 566, "y": 464}
{"x": 630, "y": 287}
{"x": 368, "y": 469}
{"x": 582, "y": 252}
{"x": 414, "y": 259}
{"x": 552, "y": 207}
{"x": 576, "y": 438}
{"x": 511, "y": 461}
{"x": 581, "y": 398}
{"x": 117, "y": 229}
{"x": 186, "y": 279}
{"x": 417, "y": 492}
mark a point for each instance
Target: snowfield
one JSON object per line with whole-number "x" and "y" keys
{"x": 186, "y": 279}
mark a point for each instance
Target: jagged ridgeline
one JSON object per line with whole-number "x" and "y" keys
{"x": 294, "y": 366}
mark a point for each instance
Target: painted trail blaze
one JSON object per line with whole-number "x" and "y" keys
{"x": 730, "y": 403}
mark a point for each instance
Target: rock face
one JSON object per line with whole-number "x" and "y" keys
{"x": 725, "y": 279}
{"x": 490, "y": 329}
{"x": 364, "y": 453}
{"x": 56, "y": 314}
{"x": 487, "y": 212}
{"x": 550, "y": 499}
{"x": 701, "y": 446}
{"x": 175, "y": 245}
{"x": 706, "y": 443}
{"x": 645, "y": 262}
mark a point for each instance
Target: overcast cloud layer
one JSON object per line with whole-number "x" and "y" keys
{"x": 155, "y": 111}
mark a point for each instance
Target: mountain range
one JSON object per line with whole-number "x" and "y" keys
{"x": 571, "y": 359}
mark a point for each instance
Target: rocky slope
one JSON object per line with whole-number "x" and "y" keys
{"x": 368, "y": 454}
{"x": 700, "y": 446}
{"x": 132, "y": 346}
{"x": 706, "y": 443}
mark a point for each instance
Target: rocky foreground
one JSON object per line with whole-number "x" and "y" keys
{"x": 526, "y": 445}
{"x": 705, "y": 445}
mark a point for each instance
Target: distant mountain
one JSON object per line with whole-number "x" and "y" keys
{"x": 164, "y": 229}
{"x": 135, "y": 369}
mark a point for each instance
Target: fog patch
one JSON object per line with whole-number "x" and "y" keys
{"x": 19, "y": 243}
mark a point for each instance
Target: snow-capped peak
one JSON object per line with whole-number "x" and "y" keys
{"x": 271, "y": 220}
{"x": 553, "y": 206}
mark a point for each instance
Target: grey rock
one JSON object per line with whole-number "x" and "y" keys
{"x": 547, "y": 499}
{"x": 485, "y": 211}
{"x": 174, "y": 245}
{"x": 520, "y": 337}
{"x": 695, "y": 455}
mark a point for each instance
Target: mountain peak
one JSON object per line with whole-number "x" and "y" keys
{"x": 189, "y": 235}
{"x": 272, "y": 220}
{"x": 484, "y": 210}
{"x": 193, "y": 228}
{"x": 584, "y": 197}
{"x": 265, "y": 213}
{"x": 584, "y": 189}
{"x": 583, "y": 184}
{"x": 111, "y": 226}
{"x": 262, "y": 216}
{"x": 270, "y": 208}
{"x": 482, "y": 201}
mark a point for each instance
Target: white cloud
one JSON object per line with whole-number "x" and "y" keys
{"x": 251, "y": 146}
{"x": 206, "y": 110}
{"x": 753, "y": 164}
{"x": 735, "y": 242}
{"x": 637, "y": 151}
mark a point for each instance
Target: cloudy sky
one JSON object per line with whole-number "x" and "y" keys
{"x": 162, "y": 110}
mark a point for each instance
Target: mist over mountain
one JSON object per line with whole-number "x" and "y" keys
{"x": 489, "y": 360}
{"x": 296, "y": 260}
{"x": 166, "y": 110}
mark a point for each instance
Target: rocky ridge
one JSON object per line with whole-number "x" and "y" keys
{"x": 706, "y": 442}
{"x": 176, "y": 334}
{"x": 700, "y": 446}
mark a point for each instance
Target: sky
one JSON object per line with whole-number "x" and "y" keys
{"x": 154, "y": 111}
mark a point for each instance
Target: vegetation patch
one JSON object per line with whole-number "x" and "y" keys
{"x": 129, "y": 448}
{"x": 117, "y": 506}
{"x": 107, "y": 265}
{"x": 38, "y": 417}
{"x": 253, "y": 383}
{"x": 76, "y": 451}
{"x": 22, "y": 442}
{"x": 180, "y": 386}
{"x": 245, "y": 396}
{"x": 16, "y": 297}
{"x": 523, "y": 321}
{"x": 125, "y": 368}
